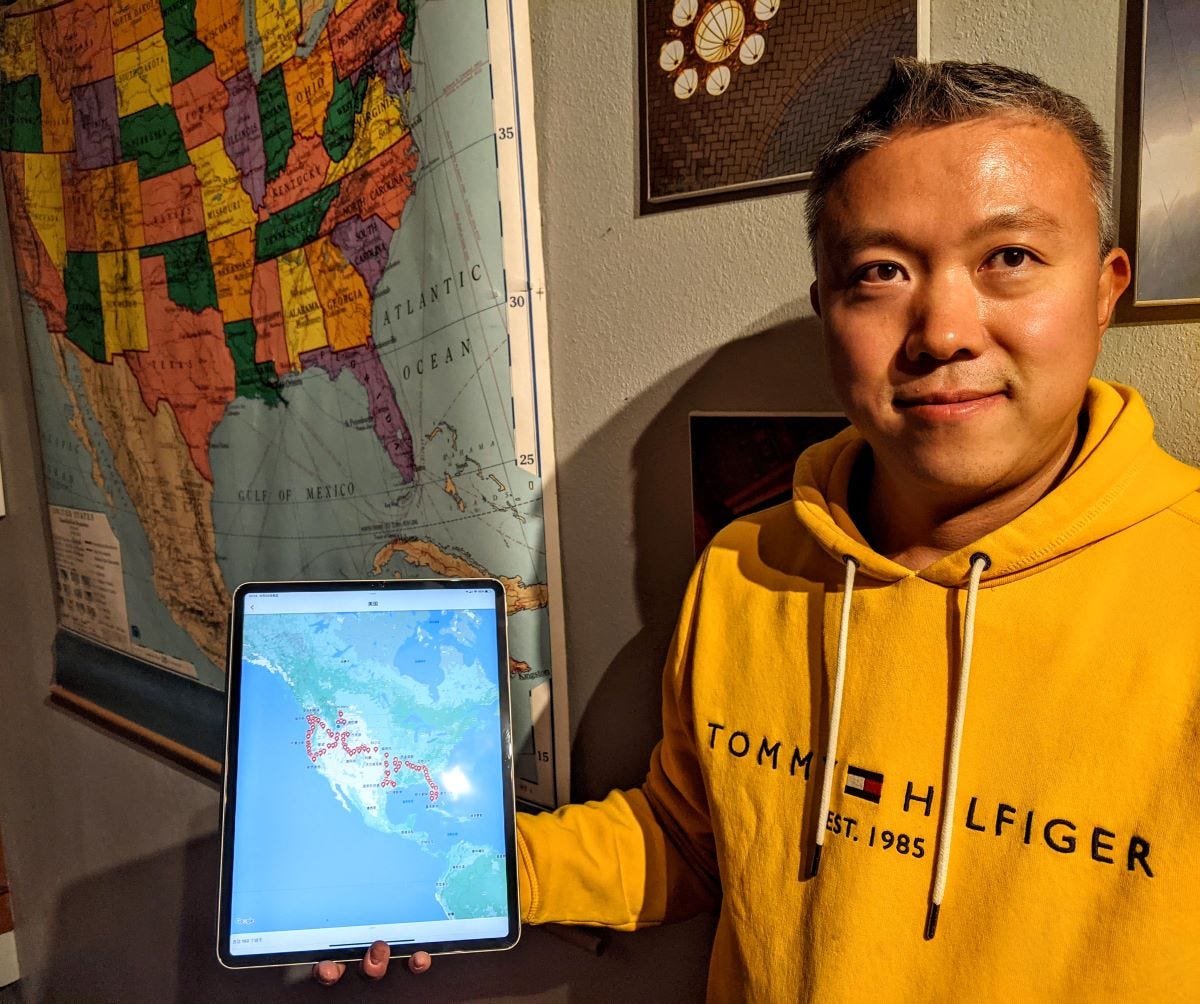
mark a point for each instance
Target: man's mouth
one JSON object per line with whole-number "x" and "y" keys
{"x": 949, "y": 404}
{"x": 945, "y": 397}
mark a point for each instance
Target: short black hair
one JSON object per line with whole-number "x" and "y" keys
{"x": 921, "y": 95}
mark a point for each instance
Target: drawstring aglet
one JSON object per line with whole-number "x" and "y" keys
{"x": 931, "y": 919}
{"x": 815, "y": 862}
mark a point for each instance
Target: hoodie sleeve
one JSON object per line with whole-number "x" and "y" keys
{"x": 639, "y": 857}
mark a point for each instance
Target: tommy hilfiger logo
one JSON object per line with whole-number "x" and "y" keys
{"x": 1024, "y": 825}
{"x": 863, "y": 783}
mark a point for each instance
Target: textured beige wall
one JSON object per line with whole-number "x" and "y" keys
{"x": 112, "y": 853}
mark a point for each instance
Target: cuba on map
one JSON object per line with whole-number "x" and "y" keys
{"x": 260, "y": 251}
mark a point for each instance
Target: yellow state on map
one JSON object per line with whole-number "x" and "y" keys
{"x": 122, "y": 302}
{"x": 18, "y": 52}
{"x": 233, "y": 270}
{"x": 344, "y": 295}
{"x": 143, "y": 75}
{"x": 378, "y": 126}
{"x": 118, "y": 206}
{"x": 227, "y": 207}
{"x": 44, "y": 203}
{"x": 303, "y": 321}
{"x": 278, "y": 29}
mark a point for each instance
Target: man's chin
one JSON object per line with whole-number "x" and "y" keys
{"x": 961, "y": 473}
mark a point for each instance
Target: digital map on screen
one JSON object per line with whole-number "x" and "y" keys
{"x": 369, "y": 782}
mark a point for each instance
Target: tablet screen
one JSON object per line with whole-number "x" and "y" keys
{"x": 368, "y": 785}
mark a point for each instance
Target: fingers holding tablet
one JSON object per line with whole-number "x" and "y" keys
{"x": 374, "y": 965}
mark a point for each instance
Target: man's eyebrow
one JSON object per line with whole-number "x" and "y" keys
{"x": 850, "y": 243}
{"x": 1016, "y": 219}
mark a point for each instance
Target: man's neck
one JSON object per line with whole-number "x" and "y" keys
{"x": 915, "y": 525}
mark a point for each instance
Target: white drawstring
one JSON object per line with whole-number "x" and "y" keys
{"x": 980, "y": 563}
{"x": 835, "y": 713}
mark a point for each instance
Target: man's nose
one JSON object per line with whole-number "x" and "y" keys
{"x": 946, "y": 320}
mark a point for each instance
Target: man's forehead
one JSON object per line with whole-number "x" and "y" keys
{"x": 998, "y": 171}
{"x": 1019, "y": 135}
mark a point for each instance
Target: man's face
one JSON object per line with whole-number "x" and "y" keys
{"x": 963, "y": 300}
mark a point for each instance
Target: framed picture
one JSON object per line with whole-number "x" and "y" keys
{"x": 738, "y": 97}
{"x": 1160, "y": 161}
{"x": 743, "y": 462}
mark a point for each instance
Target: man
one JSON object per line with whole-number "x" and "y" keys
{"x": 932, "y": 728}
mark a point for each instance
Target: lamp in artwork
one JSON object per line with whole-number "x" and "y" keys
{"x": 710, "y": 41}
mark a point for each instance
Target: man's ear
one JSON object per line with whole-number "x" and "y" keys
{"x": 814, "y": 298}
{"x": 1115, "y": 274}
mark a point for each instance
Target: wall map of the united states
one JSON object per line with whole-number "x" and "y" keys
{"x": 260, "y": 250}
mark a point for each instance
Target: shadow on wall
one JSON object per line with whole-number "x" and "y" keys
{"x": 781, "y": 369}
{"x": 110, "y": 931}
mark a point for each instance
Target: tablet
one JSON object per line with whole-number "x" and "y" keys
{"x": 368, "y": 784}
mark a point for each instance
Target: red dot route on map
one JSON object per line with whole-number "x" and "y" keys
{"x": 335, "y": 738}
{"x": 434, "y": 791}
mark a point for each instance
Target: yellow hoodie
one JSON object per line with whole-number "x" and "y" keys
{"x": 1075, "y": 833}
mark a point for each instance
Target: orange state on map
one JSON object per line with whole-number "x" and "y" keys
{"x": 77, "y": 41}
{"x": 380, "y": 187}
{"x": 134, "y": 20}
{"x": 361, "y": 30}
{"x": 172, "y": 206}
{"x": 304, "y": 175}
{"x": 79, "y": 189}
{"x": 37, "y": 273}
{"x": 233, "y": 270}
{"x": 220, "y": 25}
{"x": 102, "y": 207}
{"x": 267, "y": 305}
{"x": 200, "y": 102}
{"x": 187, "y": 365}
{"x": 309, "y": 84}
{"x": 58, "y": 117}
{"x": 345, "y": 300}
{"x": 117, "y": 203}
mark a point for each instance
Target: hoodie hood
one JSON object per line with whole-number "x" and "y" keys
{"x": 1119, "y": 477}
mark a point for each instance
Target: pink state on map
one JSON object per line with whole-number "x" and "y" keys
{"x": 243, "y": 136}
{"x": 199, "y": 102}
{"x": 366, "y": 367}
{"x": 365, "y": 245}
{"x": 97, "y": 129}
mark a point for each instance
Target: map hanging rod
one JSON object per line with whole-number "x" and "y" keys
{"x": 524, "y": 270}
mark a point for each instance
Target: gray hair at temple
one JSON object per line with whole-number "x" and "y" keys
{"x": 920, "y": 95}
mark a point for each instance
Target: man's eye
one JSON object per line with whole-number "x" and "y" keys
{"x": 1010, "y": 258}
{"x": 884, "y": 271}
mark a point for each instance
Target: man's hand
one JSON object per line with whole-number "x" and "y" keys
{"x": 374, "y": 965}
